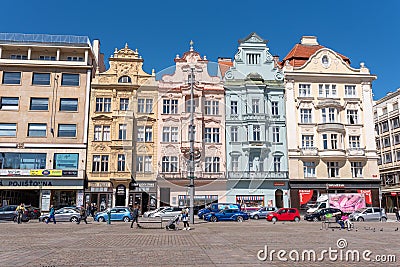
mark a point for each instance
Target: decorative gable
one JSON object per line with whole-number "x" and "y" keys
{"x": 253, "y": 38}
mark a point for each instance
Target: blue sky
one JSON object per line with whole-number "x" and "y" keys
{"x": 365, "y": 31}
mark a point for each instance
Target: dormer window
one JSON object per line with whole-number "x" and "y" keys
{"x": 253, "y": 59}
{"x": 124, "y": 79}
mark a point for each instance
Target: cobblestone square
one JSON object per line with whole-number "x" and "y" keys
{"x": 207, "y": 244}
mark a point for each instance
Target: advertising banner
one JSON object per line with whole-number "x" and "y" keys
{"x": 46, "y": 172}
{"x": 305, "y": 196}
{"x": 347, "y": 203}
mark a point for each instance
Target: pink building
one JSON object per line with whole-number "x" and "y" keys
{"x": 174, "y": 120}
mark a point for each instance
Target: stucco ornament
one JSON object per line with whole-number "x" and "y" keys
{"x": 268, "y": 57}
{"x": 279, "y": 76}
{"x": 238, "y": 56}
{"x": 228, "y": 75}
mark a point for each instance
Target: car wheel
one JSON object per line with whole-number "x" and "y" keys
{"x": 384, "y": 219}
{"x": 239, "y": 219}
{"x": 256, "y": 217}
{"x": 213, "y": 219}
{"x": 73, "y": 219}
{"x": 126, "y": 219}
{"x": 315, "y": 219}
{"x": 200, "y": 216}
{"x": 274, "y": 219}
{"x": 101, "y": 219}
{"x": 297, "y": 219}
{"x": 360, "y": 219}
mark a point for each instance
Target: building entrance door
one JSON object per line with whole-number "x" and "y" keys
{"x": 279, "y": 198}
{"x": 120, "y": 195}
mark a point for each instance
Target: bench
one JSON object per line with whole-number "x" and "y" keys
{"x": 153, "y": 220}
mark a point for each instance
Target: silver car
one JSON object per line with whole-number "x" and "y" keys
{"x": 369, "y": 214}
{"x": 168, "y": 212}
{"x": 63, "y": 215}
{"x": 150, "y": 212}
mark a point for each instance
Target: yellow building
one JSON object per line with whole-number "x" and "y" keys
{"x": 122, "y": 134}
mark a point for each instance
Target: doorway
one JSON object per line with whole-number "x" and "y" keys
{"x": 279, "y": 198}
{"x": 120, "y": 197}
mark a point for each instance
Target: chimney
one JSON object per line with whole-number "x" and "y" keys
{"x": 224, "y": 60}
{"x": 309, "y": 40}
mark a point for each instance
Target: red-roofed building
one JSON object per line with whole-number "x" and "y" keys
{"x": 331, "y": 130}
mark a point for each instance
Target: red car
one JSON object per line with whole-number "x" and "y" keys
{"x": 284, "y": 214}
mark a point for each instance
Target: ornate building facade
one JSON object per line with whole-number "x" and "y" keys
{"x": 330, "y": 126}
{"x": 387, "y": 131}
{"x": 174, "y": 107}
{"x": 123, "y": 134}
{"x": 44, "y": 107}
{"x": 255, "y": 128}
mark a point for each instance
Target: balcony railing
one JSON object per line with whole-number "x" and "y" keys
{"x": 309, "y": 151}
{"x": 330, "y": 126}
{"x": 255, "y": 117}
{"x": 197, "y": 175}
{"x": 356, "y": 151}
{"x": 248, "y": 175}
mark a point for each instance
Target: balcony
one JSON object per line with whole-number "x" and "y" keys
{"x": 262, "y": 144}
{"x": 356, "y": 152}
{"x": 330, "y": 126}
{"x": 255, "y": 117}
{"x": 309, "y": 151}
{"x": 249, "y": 175}
{"x": 185, "y": 175}
{"x": 332, "y": 154}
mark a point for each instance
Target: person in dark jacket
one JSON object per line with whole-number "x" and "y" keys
{"x": 135, "y": 216}
{"x": 83, "y": 215}
{"x": 396, "y": 211}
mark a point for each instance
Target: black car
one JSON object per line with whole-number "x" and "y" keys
{"x": 317, "y": 215}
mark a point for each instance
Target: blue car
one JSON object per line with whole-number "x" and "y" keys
{"x": 227, "y": 215}
{"x": 216, "y": 207}
{"x": 124, "y": 214}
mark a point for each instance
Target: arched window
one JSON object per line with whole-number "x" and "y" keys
{"x": 124, "y": 79}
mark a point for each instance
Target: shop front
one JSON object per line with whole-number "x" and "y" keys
{"x": 144, "y": 194}
{"x": 252, "y": 195}
{"x": 390, "y": 198}
{"x": 99, "y": 194}
{"x": 41, "y": 188}
{"x": 304, "y": 194}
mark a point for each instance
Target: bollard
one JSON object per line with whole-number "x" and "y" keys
{"x": 109, "y": 216}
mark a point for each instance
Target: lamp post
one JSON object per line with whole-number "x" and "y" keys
{"x": 191, "y": 146}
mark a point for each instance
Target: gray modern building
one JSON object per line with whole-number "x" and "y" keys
{"x": 256, "y": 150}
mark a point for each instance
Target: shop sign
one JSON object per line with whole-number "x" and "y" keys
{"x": 79, "y": 198}
{"x": 121, "y": 190}
{"x": 69, "y": 173}
{"x": 279, "y": 183}
{"x": 14, "y": 172}
{"x": 29, "y": 182}
{"x": 46, "y": 200}
{"x": 393, "y": 194}
{"x": 305, "y": 196}
{"x": 99, "y": 184}
{"x": 46, "y": 172}
{"x": 335, "y": 186}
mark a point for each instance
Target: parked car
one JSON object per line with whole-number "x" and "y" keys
{"x": 317, "y": 215}
{"x": 284, "y": 214}
{"x": 216, "y": 207}
{"x": 62, "y": 215}
{"x": 369, "y": 214}
{"x": 262, "y": 212}
{"x": 8, "y": 213}
{"x": 148, "y": 213}
{"x": 227, "y": 215}
{"x": 117, "y": 214}
{"x": 168, "y": 212}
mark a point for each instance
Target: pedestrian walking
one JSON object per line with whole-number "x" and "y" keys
{"x": 135, "y": 216}
{"x": 397, "y": 212}
{"x": 51, "y": 215}
{"x": 185, "y": 219}
{"x": 20, "y": 212}
{"x": 88, "y": 208}
{"x": 93, "y": 209}
{"x": 83, "y": 215}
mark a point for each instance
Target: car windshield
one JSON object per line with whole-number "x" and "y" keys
{"x": 316, "y": 205}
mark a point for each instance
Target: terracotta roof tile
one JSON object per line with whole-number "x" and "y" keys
{"x": 299, "y": 55}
